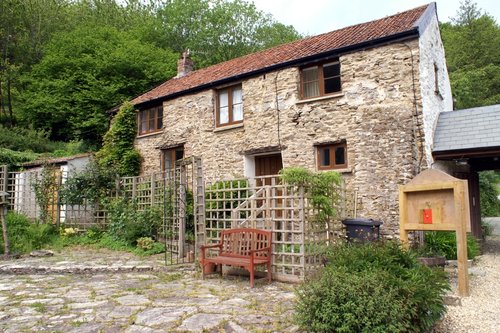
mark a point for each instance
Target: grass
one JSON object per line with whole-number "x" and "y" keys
{"x": 40, "y": 307}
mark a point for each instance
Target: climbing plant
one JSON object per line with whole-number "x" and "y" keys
{"x": 118, "y": 152}
{"x": 45, "y": 185}
{"x": 323, "y": 188}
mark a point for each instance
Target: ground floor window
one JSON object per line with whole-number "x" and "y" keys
{"x": 332, "y": 156}
{"x": 169, "y": 156}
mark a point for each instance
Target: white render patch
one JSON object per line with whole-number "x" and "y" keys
{"x": 434, "y": 101}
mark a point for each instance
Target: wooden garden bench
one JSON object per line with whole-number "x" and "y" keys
{"x": 244, "y": 248}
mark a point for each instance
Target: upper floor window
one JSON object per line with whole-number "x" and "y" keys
{"x": 229, "y": 106}
{"x": 150, "y": 120}
{"x": 320, "y": 80}
{"x": 332, "y": 156}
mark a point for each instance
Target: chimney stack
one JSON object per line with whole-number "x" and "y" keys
{"x": 184, "y": 64}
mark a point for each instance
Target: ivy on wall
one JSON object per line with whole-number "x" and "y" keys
{"x": 118, "y": 152}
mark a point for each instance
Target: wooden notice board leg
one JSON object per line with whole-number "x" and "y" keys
{"x": 463, "y": 274}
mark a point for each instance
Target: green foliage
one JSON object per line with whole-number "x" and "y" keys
{"x": 86, "y": 72}
{"x": 488, "y": 194}
{"x": 93, "y": 184}
{"x": 322, "y": 186}
{"x": 128, "y": 224}
{"x": 64, "y": 63}
{"x": 217, "y": 30}
{"x": 145, "y": 243}
{"x": 471, "y": 43}
{"x": 229, "y": 189}
{"x": 118, "y": 152}
{"x": 11, "y": 157}
{"x": 486, "y": 229}
{"x": 25, "y": 235}
{"x": 147, "y": 246}
{"x": 445, "y": 243}
{"x": 373, "y": 287}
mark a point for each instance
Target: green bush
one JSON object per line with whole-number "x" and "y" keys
{"x": 372, "y": 288}
{"x": 11, "y": 157}
{"x": 488, "y": 195}
{"x": 93, "y": 184}
{"x": 445, "y": 243}
{"x": 128, "y": 224}
{"x": 25, "y": 235}
{"x": 322, "y": 187}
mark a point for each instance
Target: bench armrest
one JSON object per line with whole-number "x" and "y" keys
{"x": 211, "y": 246}
{"x": 204, "y": 247}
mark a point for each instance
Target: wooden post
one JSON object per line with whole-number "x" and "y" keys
{"x": 403, "y": 216}
{"x": 461, "y": 231}
{"x": 3, "y": 213}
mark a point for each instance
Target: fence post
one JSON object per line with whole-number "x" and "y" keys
{"x": 153, "y": 189}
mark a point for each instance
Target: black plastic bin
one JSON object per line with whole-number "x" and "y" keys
{"x": 362, "y": 230}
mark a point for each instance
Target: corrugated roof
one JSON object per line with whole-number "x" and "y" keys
{"x": 360, "y": 34}
{"x": 474, "y": 128}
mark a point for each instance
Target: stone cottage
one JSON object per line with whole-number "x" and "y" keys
{"x": 362, "y": 100}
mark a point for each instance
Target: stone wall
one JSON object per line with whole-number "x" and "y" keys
{"x": 374, "y": 114}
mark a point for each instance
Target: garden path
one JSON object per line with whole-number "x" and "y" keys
{"x": 86, "y": 290}
{"x": 125, "y": 293}
{"x": 480, "y": 312}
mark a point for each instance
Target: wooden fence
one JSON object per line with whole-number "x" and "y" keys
{"x": 194, "y": 212}
{"x": 266, "y": 203}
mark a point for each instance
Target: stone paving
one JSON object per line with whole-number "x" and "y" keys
{"x": 86, "y": 290}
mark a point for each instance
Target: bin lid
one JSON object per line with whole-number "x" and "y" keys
{"x": 362, "y": 221}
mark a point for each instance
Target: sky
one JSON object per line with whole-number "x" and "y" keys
{"x": 313, "y": 17}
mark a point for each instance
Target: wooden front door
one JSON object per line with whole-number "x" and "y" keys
{"x": 267, "y": 165}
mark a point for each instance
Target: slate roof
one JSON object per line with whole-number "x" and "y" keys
{"x": 475, "y": 128}
{"x": 400, "y": 25}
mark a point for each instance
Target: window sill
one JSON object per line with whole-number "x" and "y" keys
{"x": 228, "y": 127}
{"x": 148, "y": 134}
{"x": 321, "y": 98}
{"x": 343, "y": 170}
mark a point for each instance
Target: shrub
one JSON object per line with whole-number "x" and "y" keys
{"x": 322, "y": 187}
{"x": 488, "y": 195}
{"x": 445, "y": 243}
{"x": 145, "y": 243}
{"x": 25, "y": 236}
{"x": 372, "y": 288}
{"x": 11, "y": 157}
{"x": 93, "y": 184}
{"x": 127, "y": 223}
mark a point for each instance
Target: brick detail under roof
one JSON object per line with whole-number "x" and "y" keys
{"x": 302, "y": 49}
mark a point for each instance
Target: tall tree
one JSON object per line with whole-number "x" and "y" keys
{"x": 472, "y": 45}
{"x": 218, "y": 30}
{"x": 86, "y": 72}
{"x": 25, "y": 26}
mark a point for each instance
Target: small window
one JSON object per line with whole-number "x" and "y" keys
{"x": 150, "y": 120}
{"x": 321, "y": 80}
{"x": 332, "y": 156}
{"x": 436, "y": 79}
{"x": 229, "y": 106}
{"x": 170, "y": 156}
